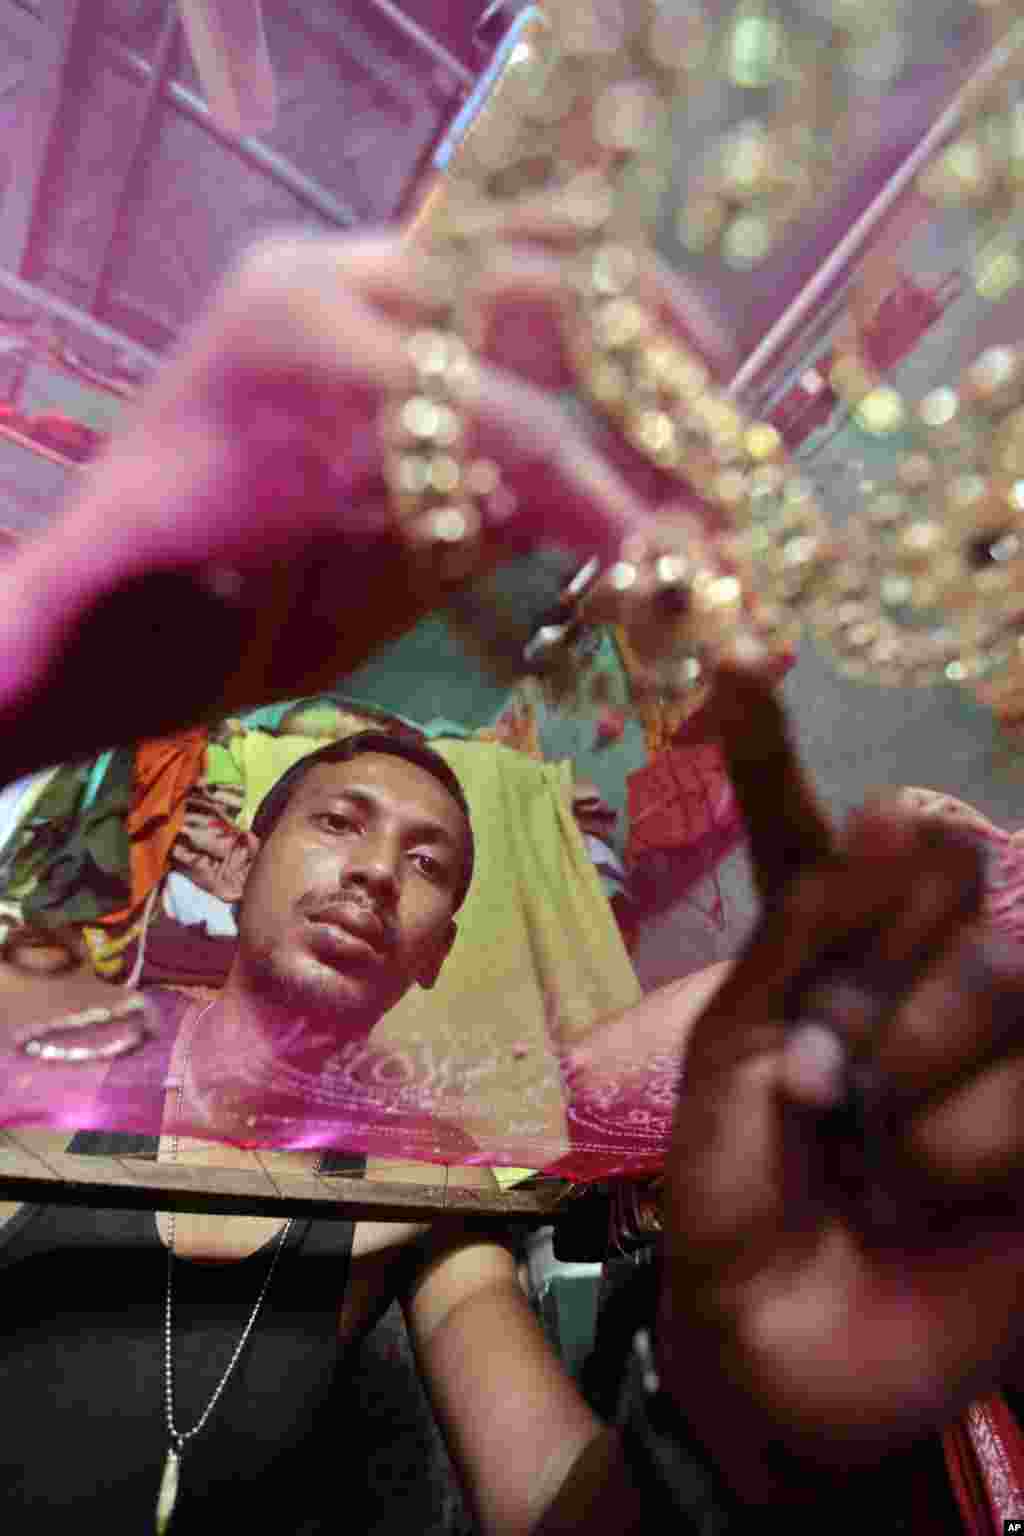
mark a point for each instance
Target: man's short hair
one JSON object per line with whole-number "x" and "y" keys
{"x": 389, "y": 744}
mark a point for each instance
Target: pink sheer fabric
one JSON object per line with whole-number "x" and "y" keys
{"x": 613, "y": 1106}
{"x": 622, "y": 1081}
{"x": 598, "y": 1107}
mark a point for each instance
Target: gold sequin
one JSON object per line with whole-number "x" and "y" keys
{"x": 607, "y": 382}
{"x": 762, "y": 441}
{"x": 445, "y": 474}
{"x": 623, "y": 576}
{"x": 413, "y": 474}
{"x": 621, "y": 323}
{"x": 654, "y": 432}
{"x": 613, "y": 269}
{"x": 939, "y": 407}
{"x": 881, "y": 412}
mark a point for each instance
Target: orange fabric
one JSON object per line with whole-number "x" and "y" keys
{"x": 165, "y": 771}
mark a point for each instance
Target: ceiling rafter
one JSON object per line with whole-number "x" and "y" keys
{"x": 145, "y": 125}
{"x": 61, "y": 47}
{"x": 277, "y": 167}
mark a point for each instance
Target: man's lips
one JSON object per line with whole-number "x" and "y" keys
{"x": 356, "y": 922}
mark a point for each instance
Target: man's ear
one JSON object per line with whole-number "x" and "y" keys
{"x": 233, "y": 871}
{"x": 431, "y": 968}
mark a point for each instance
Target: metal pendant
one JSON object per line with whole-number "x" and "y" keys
{"x": 168, "y": 1495}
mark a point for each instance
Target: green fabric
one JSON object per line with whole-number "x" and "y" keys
{"x": 220, "y": 767}
{"x": 565, "y": 734}
{"x": 269, "y": 716}
{"x": 42, "y": 828}
{"x": 74, "y": 859}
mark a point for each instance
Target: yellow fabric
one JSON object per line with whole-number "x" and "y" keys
{"x": 107, "y": 950}
{"x": 508, "y": 1177}
{"x": 539, "y": 960}
{"x": 220, "y": 766}
{"x": 262, "y": 759}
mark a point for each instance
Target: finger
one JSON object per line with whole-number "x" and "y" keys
{"x": 844, "y": 942}
{"x": 973, "y": 1140}
{"x": 690, "y": 313}
{"x": 825, "y": 919}
{"x": 962, "y": 1020}
{"x": 516, "y": 314}
{"x": 812, "y": 1071}
{"x": 521, "y": 316}
{"x": 353, "y": 359}
{"x": 941, "y": 876}
{"x": 856, "y": 991}
{"x": 381, "y": 269}
{"x": 565, "y": 491}
{"x": 538, "y": 220}
{"x": 787, "y": 830}
{"x": 520, "y": 311}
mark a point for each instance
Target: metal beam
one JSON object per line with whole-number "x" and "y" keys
{"x": 37, "y": 141}
{"x": 252, "y": 151}
{"x": 117, "y": 214}
{"x": 60, "y": 309}
{"x": 429, "y": 44}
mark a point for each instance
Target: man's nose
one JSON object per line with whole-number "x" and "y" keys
{"x": 374, "y": 867}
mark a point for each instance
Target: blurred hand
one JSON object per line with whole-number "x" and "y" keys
{"x": 843, "y": 1273}
{"x": 231, "y": 542}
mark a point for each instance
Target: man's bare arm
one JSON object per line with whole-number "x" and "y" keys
{"x": 533, "y": 1457}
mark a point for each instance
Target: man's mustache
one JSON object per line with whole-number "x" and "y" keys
{"x": 334, "y": 904}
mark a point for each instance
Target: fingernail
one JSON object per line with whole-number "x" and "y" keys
{"x": 814, "y": 1066}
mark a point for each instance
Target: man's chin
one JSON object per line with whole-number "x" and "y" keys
{"x": 318, "y": 991}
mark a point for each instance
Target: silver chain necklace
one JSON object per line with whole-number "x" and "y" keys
{"x": 179, "y": 1438}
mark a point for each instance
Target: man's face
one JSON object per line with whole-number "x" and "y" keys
{"x": 350, "y": 898}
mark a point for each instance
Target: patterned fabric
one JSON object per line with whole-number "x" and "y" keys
{"x": 165, "y": 771}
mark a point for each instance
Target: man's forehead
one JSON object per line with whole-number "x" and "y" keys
{"x": 386, "y": 776}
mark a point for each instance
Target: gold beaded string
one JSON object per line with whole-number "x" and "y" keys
{"x": 584, "y": 116}
{"x": 929, "y": 585}
{"x": 609, "y": 95}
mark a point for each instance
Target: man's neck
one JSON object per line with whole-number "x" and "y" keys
{"x": 248, "y": 1025}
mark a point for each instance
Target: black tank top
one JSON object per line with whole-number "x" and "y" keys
{"x": 82, "y": 1372}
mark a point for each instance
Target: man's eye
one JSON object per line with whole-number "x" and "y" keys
{"x": 431, "y": 867}
{"x": 334, "y": 821}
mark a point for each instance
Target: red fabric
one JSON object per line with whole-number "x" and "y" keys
{"x": 966, "y": 1481}
{"x": 681, "y": 799}
{"x": 985, "y": 1457}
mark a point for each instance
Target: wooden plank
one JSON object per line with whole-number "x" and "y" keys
{"x": 140, "y": 1184}
{"x": 17, "y": 1161}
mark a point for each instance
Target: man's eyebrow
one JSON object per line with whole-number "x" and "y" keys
{"x": 423, "y": 828}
